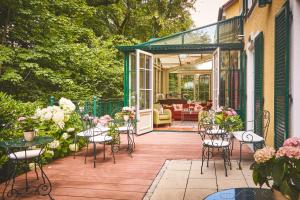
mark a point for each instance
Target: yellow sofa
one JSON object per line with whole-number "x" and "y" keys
{"x": 165, "y": 118}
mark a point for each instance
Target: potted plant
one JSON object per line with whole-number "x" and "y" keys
{"x": 27, "y": 124}
{"x": 279, "y": 169}
{"x": 229, "y": 118}
{"x": 128, "y": 113}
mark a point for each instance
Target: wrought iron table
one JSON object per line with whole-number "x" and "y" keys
{"x": 241, "y": 194}
{"x": 20, "y": 152}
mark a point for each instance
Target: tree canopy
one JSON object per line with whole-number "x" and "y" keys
{"x": 67, "y": 48}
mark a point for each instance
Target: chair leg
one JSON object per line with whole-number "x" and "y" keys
{"x": 37, "y": 175}
{"x": 232, "y": 143}
{"x": 203, "y": 149}
{"x": 75, "y": 142}
{"x": 95, "y": 154}
{"x": 86, "y": 152}
{"x": 207, "y": 156}
{"x": 104, "y": 151}
{"x": 240, "y": 167}
{"x": 224, "y": 158}
{"x": 113, "y": 153}
{"x": 229, "y": 161}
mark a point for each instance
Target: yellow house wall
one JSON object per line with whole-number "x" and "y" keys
{"x": 263, "y": 19}
{"x": 233, "y": 10}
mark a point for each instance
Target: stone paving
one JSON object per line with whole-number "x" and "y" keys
{"x": 182, "y": 179}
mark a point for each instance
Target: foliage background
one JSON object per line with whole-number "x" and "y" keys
{"x": 67, "y": 48}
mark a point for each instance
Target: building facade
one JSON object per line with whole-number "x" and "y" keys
{"x": 271, "y": 47}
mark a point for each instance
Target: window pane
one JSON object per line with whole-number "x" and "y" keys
{"x": 173, "y": 83}
{"x": 187, "y": 86}
{"x": 147, "y": 100}
{"x": 142, "y": 79}
{"x": 142, "y": 99}
{"x": 147, "y": 79}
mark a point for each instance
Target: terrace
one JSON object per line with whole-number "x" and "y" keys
{"x": 136, "y": 177}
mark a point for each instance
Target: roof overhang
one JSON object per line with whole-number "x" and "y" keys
{"x": 185, "y": 48}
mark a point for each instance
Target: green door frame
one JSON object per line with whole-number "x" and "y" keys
{"x": 126, "y": 79}
{"x": 258, "y": 80}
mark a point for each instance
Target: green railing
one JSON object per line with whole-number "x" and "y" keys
{"x": 96, "y": 107}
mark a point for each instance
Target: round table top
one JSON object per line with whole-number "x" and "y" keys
{"x": 21, "y": 143}
{"x": 241, "y": 194}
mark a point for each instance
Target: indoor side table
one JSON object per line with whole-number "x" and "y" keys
{"x": 20, "y": 153}
{"x": 241, "y": 194}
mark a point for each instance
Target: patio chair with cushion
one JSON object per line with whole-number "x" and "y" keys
{"x": 161, "y": 115}
{"x": 213, "y": 137}
{"x": 257, "y": 136}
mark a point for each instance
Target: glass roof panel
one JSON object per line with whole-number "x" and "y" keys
{"x": 169, "y": 41}
{"x": 207, "y": 35}
{"x": 221, "y": 34}
{"x": 226, "y": 31}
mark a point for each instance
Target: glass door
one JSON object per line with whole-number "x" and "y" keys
{"x": 216, "y": 78}
{"x": 144, "y": 91}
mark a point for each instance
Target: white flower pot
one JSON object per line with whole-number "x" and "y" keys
{"x": 29, "y": 136}
{"x": 126, "y": 118}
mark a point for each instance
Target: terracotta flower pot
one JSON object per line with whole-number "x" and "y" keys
{"x": 29, "y": 136}
{"x": 278, "y": 196}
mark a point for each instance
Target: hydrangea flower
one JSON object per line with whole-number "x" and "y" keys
{"x": 65, "y": 136}
{"x": 31, "y": 166}
{"x": 67, "y": 105}
{"x": 54, "y": 144}
{"x": 263, "y": 155}
{"x": 50, "y": 152}
{"x": 73, "y": 147}
{"x": 70, "y": 130}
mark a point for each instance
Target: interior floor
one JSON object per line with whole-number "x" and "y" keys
{"x": 179, "y": 126}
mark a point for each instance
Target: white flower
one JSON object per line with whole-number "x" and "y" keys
{"x": 38, "y": 113}
{"x": 73, "y": 147}
{"x": 54, "y": 144}
{"x": 47, "y": 116}
{"x": 50, "y": 152}
{"x": 31, "y": 166}
{"x": 65, "y": 136}
{"x": 61, "y": 125}
{"x": 70, "y": 130}
{"x": 58, "y": 116}
{"x": 67, "y": 105}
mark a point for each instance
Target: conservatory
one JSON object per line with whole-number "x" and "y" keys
{"x": 201, "y": 65}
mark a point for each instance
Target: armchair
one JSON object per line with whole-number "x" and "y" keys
{"x": 161, "y": 118}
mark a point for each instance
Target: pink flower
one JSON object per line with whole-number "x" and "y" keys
{"x": 234, "y": 112}
{"x": 288, "y": 151}
{"x": 293, "y": 142}
{"x": 95, "y": 120}
{"x": 21, "y": 119}
{"x": 263, "y": 155}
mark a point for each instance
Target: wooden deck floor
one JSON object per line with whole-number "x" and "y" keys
{"x": 130, "y": 177}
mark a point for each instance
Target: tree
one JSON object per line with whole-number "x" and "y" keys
{"x": 67, "y": 48}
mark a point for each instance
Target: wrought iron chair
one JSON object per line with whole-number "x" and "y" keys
{"x": 127, "y": 128}
{"x": 257, "y": 136}
{"x": 214, "y": 137}
{"x": 95, "y": 135}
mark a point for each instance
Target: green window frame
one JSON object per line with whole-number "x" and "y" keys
{"x": 281, "y": 89}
